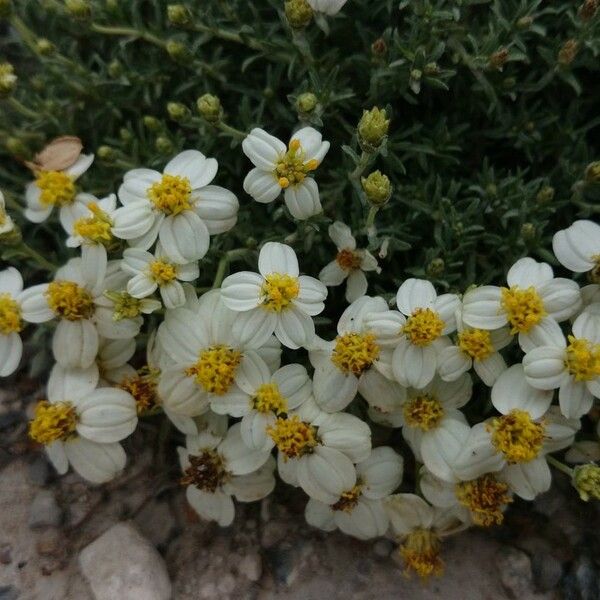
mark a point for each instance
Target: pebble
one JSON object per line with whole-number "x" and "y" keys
{"x": 273, "y": 533}
{"x": 9, "y": 592}
{"x": 44, "y": 510}
{"x": 51, "y": 542}
{"x": 226, "y": 584}
{"x": 383, "y": 548}
{"x": 121, "y": 563}
{"x": 251, "y": 566}
{"x": 5, "y": 553}
{"x": 547, "y": 571}
{"x": 515, "y": 573}
{"x": 38, "y": 471}
{"x": 156, "y": 522}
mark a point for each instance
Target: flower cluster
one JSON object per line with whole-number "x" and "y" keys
{"x": 258, "y": 387}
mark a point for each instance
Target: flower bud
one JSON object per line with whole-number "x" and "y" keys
{"x": 106, "y": 153}
{"x": 44, "y": 47}
{"x": 16, "y": 147}
{"x": 592, "y": 173}
{"x": 115, "y": 69}
{"x": 6, "y": 9}
{"x": 372, "y": 129}
{"x": 163, "y": 145}
{"x": 151, "y": 123}
{"x": 545, "y": 195}
{"x": 78, "y": 9}
{"x": 568, "y": 52}
{"x": 298, "y": 13}
{"x": 8, "y": 80}
{"x": 528, "y": 232}
{"x": 436, "y": 267}
{"x": 209, "y": 107}
{"x": 379, "y": 48}
{"x": 588, "y": 9}
{"x": 13, "y": 237}
{"x": 178, "y": 112}
{"x": 498, "y": 59}
{"x": 491, "y": 189}
{"x": 525, "y": 22}
{"x": 179, "y": 15}
{"x": 377, "y": 188}
{"x": 178, "y": 51}
{"x": 586, "y": 480}
{"x": 306, "y": 102}
{"x": 431, "y": 68}
{"x": 125, "y": 134}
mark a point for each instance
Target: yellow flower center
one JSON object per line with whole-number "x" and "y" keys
{"x": 291, "y": 168}
{"x": 57, "y": 188}
{"x": 421, "y": 554}
{"x": 163, "y": 272}
{"x": 278, "y": 291}
{"x": 171, "y": 195}
{"x": 524, "y": 308}
{"x": 207, "y": 471}
{"x": 424, "y": 412}
{"x": 485, "y": 497}
{"x": 293, "y": 437}
{"x": 215, "y": 369}
{"x": 476, "y": 343}
{"x": 583, "y": 359}
{"x": 517, "y": 436}
{"x": 423, "y": 327}
{"x": 355, "y": 352}
{"x": 143, "y": 388}
{"x": 268, "y": 399}
{"x": 10, "y": 315}
{"x": 53, "y": 422}
{"x": 95, "y": 228}
{"x": 125, "y": 305}
{"x": 349, "y": 499}
{"x": 69, "y": 300}
{"x": 349, "y": 260}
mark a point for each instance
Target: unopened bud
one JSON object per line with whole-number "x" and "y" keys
{"x": 178, "y": 51}
{"x": 115, "y": 69}
{"x": 586, "y": 480}
{"x": 178, "y": 112}
{"x": 568, "y": 52}
{"x": 6, "y": 9}
{"x": 372, "y": 129}
{"x": 491, "y": 189}
{"x": 298, "y": 13}
{"x": 179, "y": 15}
{"x": 11, "y": 237}
{"x": 498, "y": 59}
{"x": 8, "y": 80}
{"x": 106, "y": 153}
{"x": 525, "y": 22}
{"x": 112, "y": 5}
{"x": 209, "y": 107}
{"x": 44, "y": 47}
{"x": 528, "y": 232}
{"x": 151, "y": 123}
{"x": 377, "y": 188}
{"x": 125, "y": 134}
{"x": 592, "y": 173}
{"x": 416, "y": 74}
{"x": 16, "y": 147}
{"x": 588, "y": 9}
{"x": 436, "y": 267}
{"x": 164, "y": 145}
{"x": 306, "y": 102}
{"x": 78, "y": 9}
{"x": 545, "y": 195}
{"x": 379, "y": 47}
{"x": 509, "y": 83}
{"x": 431, "y": 68}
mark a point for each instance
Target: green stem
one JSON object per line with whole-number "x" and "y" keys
{"x": 11, "y": 202}
{"x": 35, "y": 255}
{"x": 230, "y": 36}
{"x": 21, "y": 108}
{"x": 224, "y": 263}
{"x": 28, "y": 36}
{"x": 129, "y": 31}
{"x": 365, "y": 157}
{"x": 371, "y": 217}
{"x": 560, "y": 466}
{"x": 232, "y": 131}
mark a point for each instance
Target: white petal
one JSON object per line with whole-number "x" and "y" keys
{"x": 58, "y": 457}
{"x": 528, "y": 272}
{"x": 478, "y": 456}
{"x": 11, "y": 281}
{"x": 575, "y": 246}
{"x": 319, "y": 515}
{"x": 98, "y": 463}
{"x": 575, "y": 399}
{"x": 294, "y": 328}
{"x": 294, "y": 384}
{"x": 346, "y": 433}
{"x": 415, "y": 293}
{"x": 262, "y": 186}
{"x": 263, "y": 149}
{"x": 277, "y": 258}
{"x": 527, "y": 480}
{"x": 381, "y": 473}
{"x": 252, "y": 372}
{"x": 217, "y": 506}
{"x": 217, "y": 207}
{"x": 546, "y": 333}
{"x": 254, "y": 430}
{"x": 303, "y": 200}
{"x": 441, "y": 446}
{"x": 11, "y": 350}
{"x": 332, "y": 274}
{"x": 490, "y": 368}
{"x": 367, "y": 520}
{"x": 241, "y": 291}
{"x": 240, "y": 460}
{"x": 380, "y": 392}
{"x": 180, "y": 394}
{"x": 254, "y": 328}
{"x": 172, "y": 294}
{"x": 184, "y": 237}
{"x": 80, "y": 166}
{"x": 312, "y": 144}
{"x": 587, "y": 326}
{"x": 357, "y": 285}
{"x": 333, "y": 389}
{"x": 193, "y": 165}
{"x": 452, "y": 363}
{"x": 545, "y": 367}
{"x": 408, "y": 512}
{"x": 562, "y": 298}
{"x": 133, "y": 220}
{"x": 341, "y": 235}
{"x": 34, "y": 305}
{"x": 414, "y": 366}
{"x": 75, "y": 343}
{"x": 481, "y": 308}
{"x": 254, "y": 486}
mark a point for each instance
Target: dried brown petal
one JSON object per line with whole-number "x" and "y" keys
{"x": 59, "y": 154}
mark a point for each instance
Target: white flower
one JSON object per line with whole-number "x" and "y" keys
{"x": 477, "y": 348}
{"x": 327, "y": 7}
{"x": 359, "y": 359}
{"x": 432, "y": 424}
{"x": 317, "y": 450}
{"x": 6, "y": 223}
{"x": 57, "y": 188}
{"x": 578, "y": 247}
{"x": 420, "y": 528}
{"x": 279, "y": 168}
{"x": 262, "y": 397}
{"x": 113, "y": 358}
{"x": 349, "y": 263}
{"x": 532, "y": 305}
{"x": 81, "y": 424}
{"x": 573, "y": 368}
{"x": 359, "y": 511}
{"x": 207, "y": 361}
{"x": 275, "y": 300}
{"x": 92, "y": 231}
{"x": 11, "y": 320}
{"x": 179, "y": 206}
{"x": 516, "y": 442}
{"x": 430, "y": 319}
{"x": 158, "y": 271}
{"x": 215, "y": 469}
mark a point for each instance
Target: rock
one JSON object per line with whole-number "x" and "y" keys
{"x": 515, "y": 573}
{"x": 156, "y": 522}
{"x": 9, "y": 592}
{"x": 273, "y": 533}
{"x": 38, "y": 471}
{"x": 226, "y": 585}
{"x": 586, "y": 580}
{"x": 547, "y": 571}
{"x": 44, "y": 510}
{"x": 251, "y": 566}
{"x": 383, "y": 548}
{"x": 5, "y": 553}
{"x": 51, "y": 543}
{"x": 121, "y": 563}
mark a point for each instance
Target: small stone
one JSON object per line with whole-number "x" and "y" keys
{"x": 227, "y": 584}
{"x": 5, "y": 554}
{"x": 38, "y": 471}
{"x": 383, "y": 548}
{"x": 586, "y": 579}
{"x": 273, "y": 533}
{"x": 44, "y": 510}
{"x": 251, "y": 566}
{"x": 208, "y": 590}
{"x": 123, "y": 564}
{"x": 156, "y": 522}
{"x": 515, "y": 573}
{"x": 51, "y": 542}
{"x": 547, "y": 571}
{"x": 9, "y": 592}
